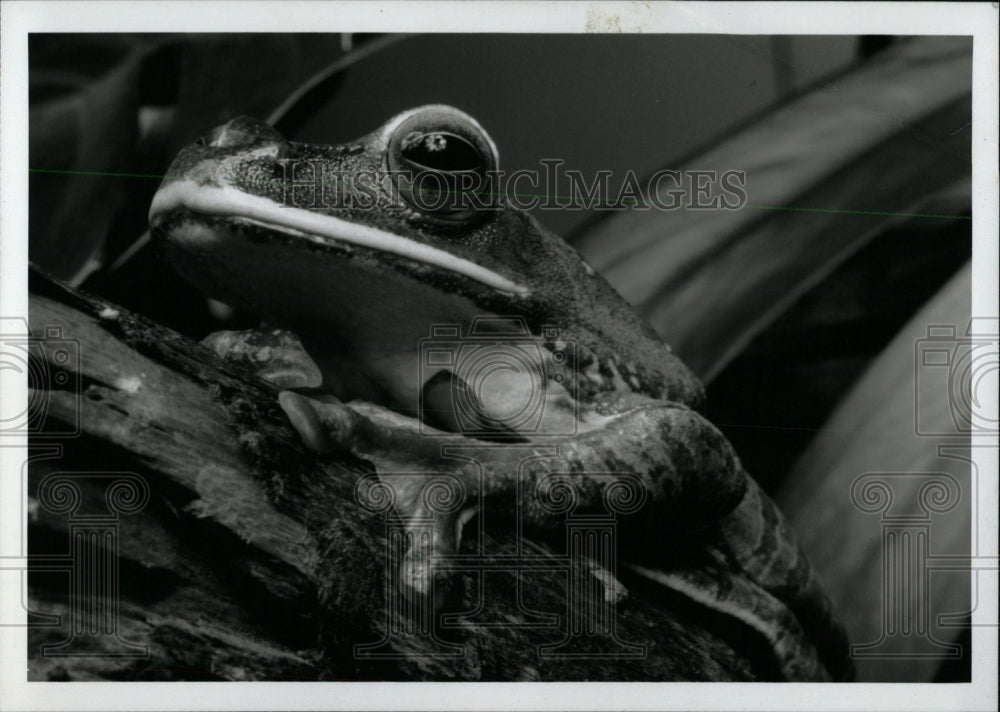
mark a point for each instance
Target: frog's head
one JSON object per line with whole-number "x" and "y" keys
{"x": 376, "y": 240}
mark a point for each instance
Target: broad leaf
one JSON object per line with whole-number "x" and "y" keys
{"x": 824, "y": 174}
{"x": 895, "y": 420}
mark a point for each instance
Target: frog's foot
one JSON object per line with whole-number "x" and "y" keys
{"x": 433, "y": 496}
{"x": 275, "y": 355}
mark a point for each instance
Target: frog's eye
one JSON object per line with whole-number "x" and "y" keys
{"x": 442, "y": 161}
{"x": 440, "y": 151}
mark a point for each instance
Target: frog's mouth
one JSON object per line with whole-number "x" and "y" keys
{"x": 318, "y": 227}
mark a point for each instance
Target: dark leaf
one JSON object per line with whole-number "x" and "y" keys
{"x": 824, "y": 174}
{"x": 81, "y": 145}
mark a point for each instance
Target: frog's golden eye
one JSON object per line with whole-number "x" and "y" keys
{"x": 442, "y": 162}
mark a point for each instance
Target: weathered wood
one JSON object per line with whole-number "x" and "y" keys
{"x": 252, "y": 559}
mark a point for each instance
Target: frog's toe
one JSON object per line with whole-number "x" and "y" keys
{"x": 430, "y": 496}
{"x": 316, "y": 423}
{"x": 614, "y": 590}
{"x": 434, "y": 508}
{"x": 275, "y": 355}
{"x": 421, "y": 567}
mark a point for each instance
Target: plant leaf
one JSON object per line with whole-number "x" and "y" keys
{"x": 876, "y": 429}
{"x": 877, "y": 140}
{"x": 80, "y": 143}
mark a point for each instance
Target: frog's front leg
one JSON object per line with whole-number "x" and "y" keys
{"x": 681, "y": 466}
{"x": 423, "y": 484}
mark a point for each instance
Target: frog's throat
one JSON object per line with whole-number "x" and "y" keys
{"x": 229, "y": 202}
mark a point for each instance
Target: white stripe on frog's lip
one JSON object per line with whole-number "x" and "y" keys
{"x": 229, "y": 202}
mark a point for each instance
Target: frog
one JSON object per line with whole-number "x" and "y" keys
{"x": 402, "y": 324}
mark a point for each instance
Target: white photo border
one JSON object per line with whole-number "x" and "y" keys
{"x": 764, "y": 18}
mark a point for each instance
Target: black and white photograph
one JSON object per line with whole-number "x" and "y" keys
{"x": 349, "y": 344}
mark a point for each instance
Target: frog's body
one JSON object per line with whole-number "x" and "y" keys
{"x": 361, "y": 282}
